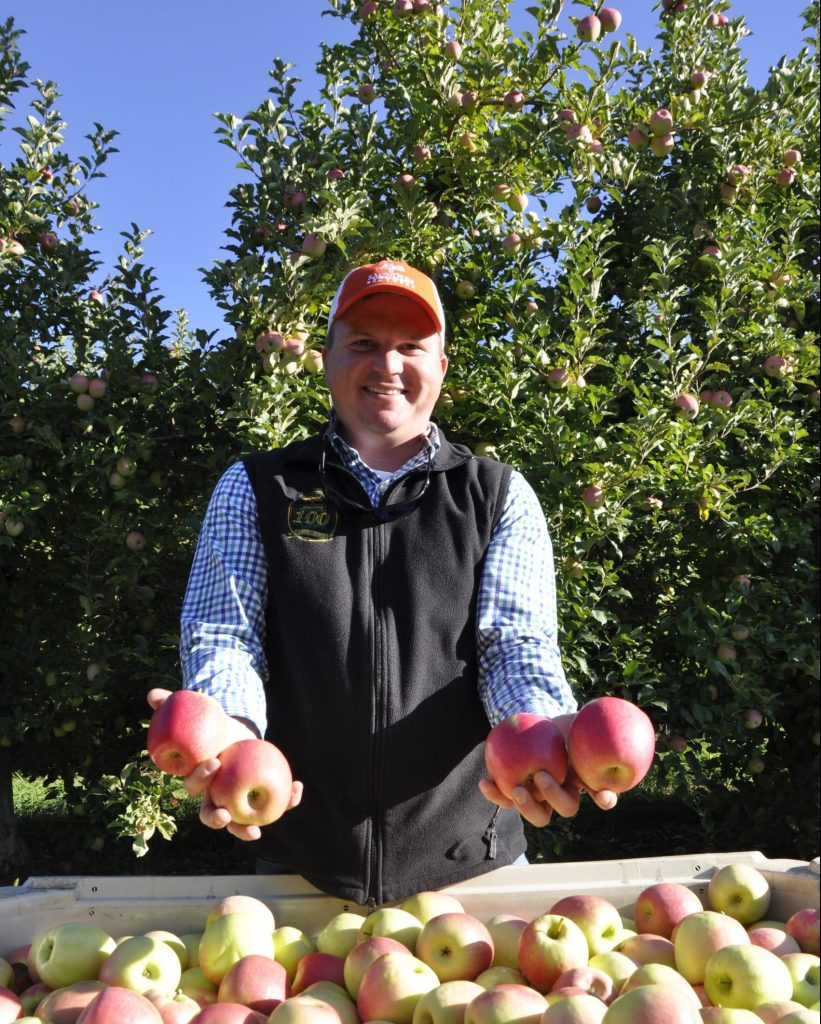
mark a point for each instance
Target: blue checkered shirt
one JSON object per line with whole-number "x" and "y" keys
{"x": 222, "y": 638}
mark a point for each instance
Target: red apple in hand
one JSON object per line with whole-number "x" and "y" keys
{"x": 611, "y": 744}
{"x": 185, "y": 730}
{"x": 253, "y": 782}
{"x": 520, "y": 746}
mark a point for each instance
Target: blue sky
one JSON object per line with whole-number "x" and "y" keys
{"x": 157, "y": 73}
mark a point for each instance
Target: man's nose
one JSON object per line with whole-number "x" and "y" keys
{"x": 388, "y": 360}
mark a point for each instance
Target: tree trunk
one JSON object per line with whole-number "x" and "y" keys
{"x": 14, "y": 855}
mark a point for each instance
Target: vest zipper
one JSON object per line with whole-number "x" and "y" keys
{"x": 375, "y": 874}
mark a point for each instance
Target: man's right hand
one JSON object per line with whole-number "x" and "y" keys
{"x": 197, "y": 782}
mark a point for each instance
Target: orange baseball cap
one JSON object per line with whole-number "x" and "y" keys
{"x": 389, "y": 276}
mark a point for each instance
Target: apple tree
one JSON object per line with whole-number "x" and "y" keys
{"x": 626, "y": 242}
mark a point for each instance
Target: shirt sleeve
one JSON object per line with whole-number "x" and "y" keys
{"x": 222, "y": 626}
{"x": 520, "y": 666}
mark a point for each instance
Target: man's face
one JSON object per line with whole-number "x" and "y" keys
{"x": 384, "y": 370}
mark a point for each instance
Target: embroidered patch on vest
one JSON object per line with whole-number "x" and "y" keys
{"x": 310, "y": 517}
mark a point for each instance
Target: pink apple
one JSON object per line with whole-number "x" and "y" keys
{"x": 660, "y": 907}
{"x": 512, "y": 243}
{"x": 698, "y": 936}
{"x": 637, "y": 137}
{"x": 453, "y": 49}
{"x": 803, "y": 926}
{"x": 648, "y": 948}
{"x": 135, "y": 540}
{"x": 313, "y": 245}
{"x": 597, "y": 917}
{"x": 392, "y": 986}
{"x": 149, "y": 383}
{"x": 698, "y": 79}
{"x": 578, "y": 133}
{"x": 253, "y": 782}
{"x": 519, "y": 746}
{"x": 610, "y": 19}
{"x": 269, "y": 341}
{"x": 174, "y": 1009}
{"x": 336, "y": 174}
{"x": 457, "y": 946}
{"x": 368, "y": 10}
{"x": 240, "y": 903}
{"x": 421, "y": 154}
{"x": 366, "y": 93}
{"x": 78, "y": 382}
{"x": 500, "y": 976}
{"x": 293, "y": 198}
{"x": 774, "y": 939}
{"x": 777, "y": 366}
{"x": 662, "y": 145}
{"x": 11, "y": 1008}
{"x": 575, "y": 1008}
{"x": 652, "y": 1004}
{"x": 611, "y": 744}
{"x": 686, "y": 405}
{"x": 364, "y": 954}
{"x": 549, "y": 946}
{"x": 591, "y": 980}
{"x": 661, "y": 122}
{"x": 593, "y": 496}
{"x": 589, "y": 28}
{"x": 186, "y": 729}
{"x": 315, "y": 967}
{"x": 335, "y": 996}
{"x": 513, "y": 101}
{"x": 257, "y": 981}
{"x": 236, "y": 1013}
{"x": 516, "y": 1004}
{"x": 791, "y": 157}
{"x": 567, "y": 114}
{"x": 506, "y": 931}
{"x": 559, "y": 377}
{"x": 119, "y": 1004}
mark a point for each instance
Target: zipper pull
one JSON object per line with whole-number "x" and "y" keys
{"x": 490, "y": 838}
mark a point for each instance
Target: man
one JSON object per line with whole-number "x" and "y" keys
{"x": 369, "y": 600}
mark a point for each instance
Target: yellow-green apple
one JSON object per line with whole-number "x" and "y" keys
{"x": 500, "y": 976}
{"x": 257, "y": 981}
{"x": 196, "y": 986}
{"x": 651, "y": 1004}
{"x": 521, "y": 745}
{"x": 240, "y": 903}
{"x": 647, "y": 948}
{"x": 69, "y": 952}
{"x": 119, "y": 1004}
{"x": 318, "y": 967}
{"x": 6, "y": 973}
{"x": 611, "y": 744}
{"x": 142, "y": 964}
{"x": 364, "y": 954}
{"x": 337, "y": 997}
{"x": 191, "y": 941}
{"x": 427, "y": 904}
{"x": 598, "y": 919}
{"x": 617, "y": 965}
{"x": 803, "y": 927}
{"x": 774, "y": 939}
{"x": 457, "y": 946}
{"x": 591, "y": 980}
{"x": 700, "y": 935}
{"x": 784, "y": 1010}
{"x": 253, "y": 782}
{"x": 512, "y": 243}
{"x": 446, "y": 1003}
{"x": 392, "y": 986}
{"x": 78, "y": 383}
{"x": 744, "y": 976}
{"x": 559, "y": 377}
{"x": 230, "y": 938}
{"x": 394, "y": 923}
{"x": 727, "y": 1015}
{"x": 340, "y": 934}
{"x": 176, "y": 943}
{"x": 303, "y": 1009}
{"x": 549, "y": 946}
{"x": 230, "y": 1013}
{"x": 506, "y": 1004}
{"x": 174, "y": 1009}
{"x": 806, "y": 978}
{"x": 11, "y": 1009}
{"x": 506, "y": 931}
{"x": 660, "y": 907}
{"x": 186, "y": 729}
{"x": 661, "y": 974}
{"x": 740, "y": 891}
{"x": 290, "y": 945}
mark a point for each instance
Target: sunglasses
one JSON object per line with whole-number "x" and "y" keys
{"x": 359, "y": 510}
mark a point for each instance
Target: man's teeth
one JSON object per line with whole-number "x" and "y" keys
{"x": 384, "y": 391}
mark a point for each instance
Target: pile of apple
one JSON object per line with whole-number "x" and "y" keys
{"x": 428, "y": 961}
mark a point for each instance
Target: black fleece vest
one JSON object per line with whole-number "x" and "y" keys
{"x": 371, "y": 648}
